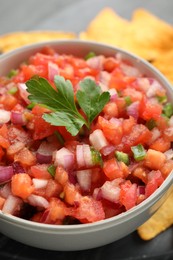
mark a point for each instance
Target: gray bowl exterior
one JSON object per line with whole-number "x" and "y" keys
{"x": 83, "y": 236}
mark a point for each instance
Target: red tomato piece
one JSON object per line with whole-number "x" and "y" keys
{"x": 128, "y": 194}
{"x": 21, "y": 185}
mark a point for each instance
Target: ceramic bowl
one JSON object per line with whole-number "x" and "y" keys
{"x": 83, "y": 236}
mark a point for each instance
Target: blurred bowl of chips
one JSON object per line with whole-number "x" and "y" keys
{"x": 84, "y": 236}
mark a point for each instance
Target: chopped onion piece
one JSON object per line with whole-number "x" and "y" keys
{"x": 87, "y": 155}
{"x": 39, "y": 183}
{"x": 18, "y": 118}
{"x": 12, "y": 205}
{"x": 98, "y": 140}
{"x": 169, "y": 154}
{"x": 53, "y": 70}
{"x": 84, "y": 179}
{"x": 38, "y": 201}
{"x": 23, "y": 92}
{"x": 155, "y": 89}
{"x": 6, "y": 173}
{"x": 132, "y": 110}
{"x": 96, "y": 62}
{"x": 4, "y": 116}
{"x": 80, "y": 156}
{"x": 5, "y": 190}
{"x": 64, "y": 158}
{"x": 111, "y": 190}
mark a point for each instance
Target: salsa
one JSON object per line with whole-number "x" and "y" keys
{"x": 105, "y": 152}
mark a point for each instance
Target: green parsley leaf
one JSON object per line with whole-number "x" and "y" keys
{"x": 90, "y": 98}
{"x": 62, "y": 102}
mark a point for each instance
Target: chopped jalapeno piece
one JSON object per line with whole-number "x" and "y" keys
{"x": 138, "y": 152}
{"x": 168, "y": 109}
{"x": 96, "y": 157}
{"x": 12, "y": 73}
{"x": 13, "y": 90}
{"x": 128, "y": 100}
{"x": 151, "y": 124}
{"x": 123, "y": 157}
{"x": 91, "y": 54}
{"x": 51, "y": 169}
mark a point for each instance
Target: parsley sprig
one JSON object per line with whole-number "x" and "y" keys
{"x": 62, "y": 101}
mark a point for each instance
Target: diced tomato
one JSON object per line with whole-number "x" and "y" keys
{"x": 53, "y": 189}
{"x": 154, "y": 159}
{"x": 57, "y": 209}
{"x": 134, "y": 95}
{"x": 111, "y": 110}
{"x": 71, "y": 193}
{"x": 95, "y": 212}
{"x": 155, "y": 179}
{"x": 119, "y": 81}
{"x": 112, "y": 130}
{"x": 139, "y": 135}
{"x": 110, "y": 64}
{"x": 8, "y": 101}
{"x": 21, "y": 185}
{"x": 161, "y": 144}
{"x": 167, "y": 168}
{"x": 151, "y": 111}
{"x": 128, "y": 194}
{"x": 40, "y": 171}
{"x": 141, "y": 173}
{"x": 121, "y": 105}
{"x": 128, "y": 125}
{"x": 61, "y": 175}
{"x": 114, "y": 169}
{"x": 25, "y": 157}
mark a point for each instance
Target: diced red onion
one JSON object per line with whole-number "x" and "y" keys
{"x": 155, "y": 88}
{"x": 18, "y": 118}
{"x": 23, "y": 92}
{"x": 110, "y": 191}
{"x": 130, "y": 70}
{"x": 98, "y": 140}
{"x": 84, "y": 179}
{"x": 38, "y": 201}
{"x": 169, "y": 154}
{"x": 87, "y": 155}
{"x": 12, "y": 205}
{"x": 133, "y": 109}
{"x": 39, "y": 183}
{"x": 5, "y": 190}
{"x": 17, "y": 168}
{"x": 141, "y": 190}
{"x": 45, "y": 152}
{"x": 113, "y": 94}
{"x": 6, "y": 173}
{"x": 143, "y": 84}
{"x": 116, "y": 121}
{"x": 107, "y": 150}
{"x": 72, "y": 177}
{"x": 53, "y": 70}
{"x": 96, "y": 62}
{"x": 155, "y": 135}
{"x": 80, "y": 156}
{"x": 64, "y": 158}
{"x": 104, "y": 78}
{"x": 4, "y": 116}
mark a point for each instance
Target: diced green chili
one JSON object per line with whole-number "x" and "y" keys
{"x": 168, "y": 109}
{"x": 139, "y": 152}
{"x": 150, "y": 124}
{"x": 96, "y": 157}
{"x": 128, "y": 100}
{"x": 123, "y": 157}
{"x": 51, "y": 169}
{"x": 13, "y": 90}
{"x": 91, "y": 54}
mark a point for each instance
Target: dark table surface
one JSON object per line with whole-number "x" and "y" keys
{"x": 74, "y": 15}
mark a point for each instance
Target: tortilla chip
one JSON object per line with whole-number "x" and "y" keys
{"x": 163, "y": 62}
{"x": 14, "y": 40}
{"x": 148, "y": 36}
{"x": 107, "y": 27}
{"x": 159, "y": 222}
